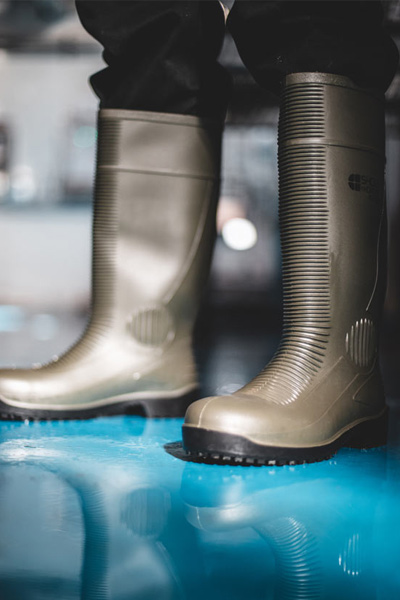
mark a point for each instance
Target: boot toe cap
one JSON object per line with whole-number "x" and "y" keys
{"x": 253, "y": 418}
{"x": 238, "y": 414}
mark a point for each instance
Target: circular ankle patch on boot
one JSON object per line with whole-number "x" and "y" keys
{"x": 152, "y": 326}
{"x": 361, "y": 343}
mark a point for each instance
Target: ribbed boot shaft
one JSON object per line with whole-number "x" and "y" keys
{"x": 104, "y": 244}
{"x": 154, "y": 202}
{"x": 105, "y": 225}
{"x": 304, "y": 222}
{"x": 314, "y": 118}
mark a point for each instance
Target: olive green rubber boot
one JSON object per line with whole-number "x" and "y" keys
{"x": 323, "y": 389}
{"x": 154, "y": 223}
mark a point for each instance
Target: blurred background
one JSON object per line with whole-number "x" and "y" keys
{"x": 47, "y": 153}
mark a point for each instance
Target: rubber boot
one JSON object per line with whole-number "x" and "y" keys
{"x": 323, "y": 389}
{"x": 154, "y": 222}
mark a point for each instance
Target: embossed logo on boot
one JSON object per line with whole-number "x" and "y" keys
{"x": 363, "y": 183}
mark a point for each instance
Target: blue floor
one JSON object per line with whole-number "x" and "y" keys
{"x": 99, "y": 510}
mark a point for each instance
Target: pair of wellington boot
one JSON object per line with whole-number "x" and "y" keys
{"x": 154, "y": 220}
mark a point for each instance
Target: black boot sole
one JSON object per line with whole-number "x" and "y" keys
{"x": 204, "y": 445}
{"x": 157, "y": 407}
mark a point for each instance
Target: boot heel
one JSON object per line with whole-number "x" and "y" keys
{"x": 370, "y": 434}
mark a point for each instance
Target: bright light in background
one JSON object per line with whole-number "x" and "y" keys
{"x": 239, "y": 234}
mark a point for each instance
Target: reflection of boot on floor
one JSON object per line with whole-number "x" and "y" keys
{"x": 323, "y": 389}
{"x": 317, "y": 523}
{"x": 154, "y": 215}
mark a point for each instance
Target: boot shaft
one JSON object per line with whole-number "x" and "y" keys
{"x": 332, "y": 215}
{"x": 154, "y": 221}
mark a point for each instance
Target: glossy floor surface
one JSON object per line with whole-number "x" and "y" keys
{"x": 100, "y": 510}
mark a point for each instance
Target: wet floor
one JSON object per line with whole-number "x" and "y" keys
{"x": 100, "y": 510}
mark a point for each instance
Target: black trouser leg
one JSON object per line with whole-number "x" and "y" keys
{"x": 161, "y": 55}
{"x": 275, "y": 38}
